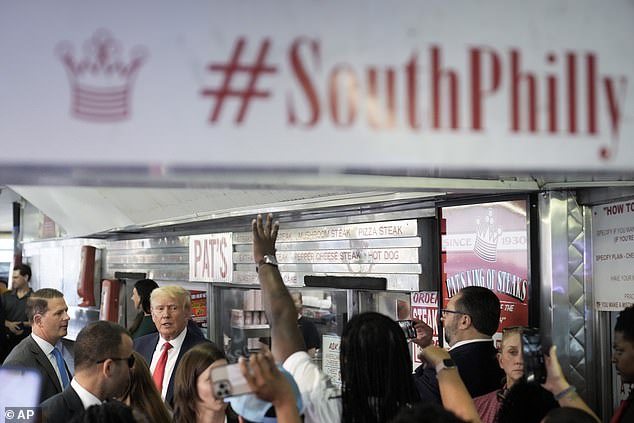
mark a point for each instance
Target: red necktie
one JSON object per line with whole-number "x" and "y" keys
{"x": 159, "y": 371}
{"x": 619, "y": 411}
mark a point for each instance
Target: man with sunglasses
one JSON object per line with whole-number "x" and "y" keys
{"x": 469, "y": 321}
{"x": 103, "y": 358}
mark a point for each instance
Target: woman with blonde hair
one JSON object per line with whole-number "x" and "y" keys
{"x": 142, "y": 394}
{"x": 511, "y": 361}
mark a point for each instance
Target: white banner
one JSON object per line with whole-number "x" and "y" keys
{"x": 420, "y": 83}
{"x": 210, "y": 258}
{"x": 613, "y": 250}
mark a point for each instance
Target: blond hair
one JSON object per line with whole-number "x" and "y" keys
{"x": 507, "y": 332}
{"x": 180, "y": 294}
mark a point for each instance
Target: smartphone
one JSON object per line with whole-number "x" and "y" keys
{"x": 26, "y": 398}
{"x": 408, "y": 328}
{"x": 228, "y": 381}
{"x": 534, "y": 364}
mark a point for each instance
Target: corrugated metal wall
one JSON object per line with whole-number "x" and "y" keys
{"x": 565, "y": 305}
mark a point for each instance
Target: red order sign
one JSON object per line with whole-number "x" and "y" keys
{"x": 424, "y": 307}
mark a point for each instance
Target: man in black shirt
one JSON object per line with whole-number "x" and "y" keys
{"x": 17, "y": 326}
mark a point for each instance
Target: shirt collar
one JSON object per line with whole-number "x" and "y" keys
{"x": 176, "y": 342}
{"x": 14, "y": 292}
{"x": 469, "y": 341}
{"x": 43, "y": 344}
{"x": 87, "y": 398}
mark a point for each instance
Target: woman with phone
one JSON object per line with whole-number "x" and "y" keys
{"x": 194, "y": 401}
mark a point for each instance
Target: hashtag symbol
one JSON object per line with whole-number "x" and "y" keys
{"x": 229, "y": 70}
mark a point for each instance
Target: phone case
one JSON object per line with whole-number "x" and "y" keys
{"x": 408, "y": 328}
{"x": 228, "y": 381}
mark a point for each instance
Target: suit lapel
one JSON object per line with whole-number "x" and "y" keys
{"x": 72, "y": 400}
{"x": 190, "y": 340}
{"x": 44, "y": 362}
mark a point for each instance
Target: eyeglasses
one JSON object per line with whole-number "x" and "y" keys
{"x": 446, "y": 310}
{"x": 130, "y": 360}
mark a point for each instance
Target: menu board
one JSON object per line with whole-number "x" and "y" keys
{"x": 613, "y": 255}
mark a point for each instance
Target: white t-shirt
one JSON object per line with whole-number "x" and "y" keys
{"x": 322, "y": 401}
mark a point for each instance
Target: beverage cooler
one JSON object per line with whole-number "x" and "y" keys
{"x": 242, "y": 326}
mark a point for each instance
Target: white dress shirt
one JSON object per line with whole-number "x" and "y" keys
{"x": 469, "y": 341}
{"x": 87, "y": 399}
{"x": 172, "y": 354}
{"x": 48, "y": 350}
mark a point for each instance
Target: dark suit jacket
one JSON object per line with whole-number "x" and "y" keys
{"x": 28, "y": 354}
{"x": 478, "y": 367}
{"x": 61, "y": 408}
{"x": 146, "y": 345}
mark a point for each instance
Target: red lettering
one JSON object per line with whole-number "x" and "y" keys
{"x": 411, "y": 77}
{"x": 212, "y": 251}
{"x": 477, "y": 92}
{"x": 552, "y": 97}
{"x": 572, "y": 92}
{"x": 592, "y": 101}
{"x": 304, "y": 81}
{"x": 373, "y": 101}
{"x": 197, "y": 252}
{"x": 343, "y": 74}
{"x": 206, "y": 258}
{"x": 437, "y": 73}
{"x": 224, "y": 267}
{"x": 343, "y": 87}
{"x": 517, "y": 76}
{"x": 613, "y": 104}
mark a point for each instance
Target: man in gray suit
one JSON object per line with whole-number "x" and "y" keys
{"x": 48, "y": 313}
{"x": 103, "y": 359}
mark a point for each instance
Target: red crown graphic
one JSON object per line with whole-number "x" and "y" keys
{"x": 100, "y": 81}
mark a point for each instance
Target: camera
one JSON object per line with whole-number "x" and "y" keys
{"x": 534, "y": 364}
{"x": 408, "y": 328}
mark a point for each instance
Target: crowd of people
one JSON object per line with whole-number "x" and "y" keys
{"x": 160, "y": 368}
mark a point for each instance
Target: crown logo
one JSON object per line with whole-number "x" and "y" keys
{"x": 100, "y": 80}
{"x": 487, "y": 235}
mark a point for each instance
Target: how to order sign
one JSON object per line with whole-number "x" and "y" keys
{"x": 613, "y": 250}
